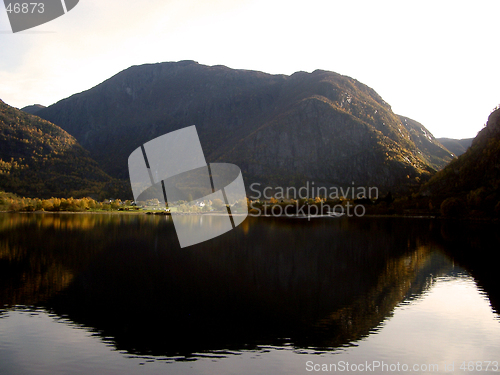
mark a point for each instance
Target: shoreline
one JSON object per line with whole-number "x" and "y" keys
{"x": 149, "y": 213}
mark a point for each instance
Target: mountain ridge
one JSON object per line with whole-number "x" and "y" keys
{"x": 456, "y": 146}
{"x": 279, "y": 129}
{"x": 32, "y": 109}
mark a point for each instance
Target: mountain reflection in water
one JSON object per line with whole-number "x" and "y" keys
{"x": 321, "y": 284}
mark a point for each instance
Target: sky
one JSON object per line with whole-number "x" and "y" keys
{"x": 433, "y": 61}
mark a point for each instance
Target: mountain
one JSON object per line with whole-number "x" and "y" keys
{"x": 456, "y": 146}
{"x": 281, "y": 130}
{"x": 471, "y": 183}
{"x": 39, "y": 159}
{"x": 32, "y": 109}
{"x": 432, "y": 151}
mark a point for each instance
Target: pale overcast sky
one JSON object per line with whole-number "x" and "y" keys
{"x": 434, "y": 61}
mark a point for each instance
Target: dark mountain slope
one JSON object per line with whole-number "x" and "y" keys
{"x": 279, "y": 129}
{"x": 473, "y": 179}
{"x": 39, "y": 159}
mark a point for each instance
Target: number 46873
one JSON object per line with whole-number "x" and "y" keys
{"x": 25, "y": 8}
{"x": 479, "y": 366}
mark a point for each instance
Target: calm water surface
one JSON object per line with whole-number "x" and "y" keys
{"x": 114, "y": 294}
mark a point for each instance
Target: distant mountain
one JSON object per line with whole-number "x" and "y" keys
{"x": 456, "y": 146}
{"x": 431, "y": 149}
{"x": 39, "y": 159}
{"x": 281, "y": 130}
{"x": 471, "y": 183}
{"x": 33, "y": 109}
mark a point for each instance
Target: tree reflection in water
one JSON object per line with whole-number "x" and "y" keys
{"x": 323, "y": 284}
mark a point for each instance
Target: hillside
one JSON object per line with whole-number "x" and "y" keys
{"x": 281, "y": 130}
{"x": 32, "y": 109}
{"x": 431, "y": 149}
{"x": 39, "y": 159}
{"x": 471, "y": 183}
{"x": 456, "y": 146}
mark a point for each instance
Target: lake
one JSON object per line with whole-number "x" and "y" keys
{"x": 115, "y": 294}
